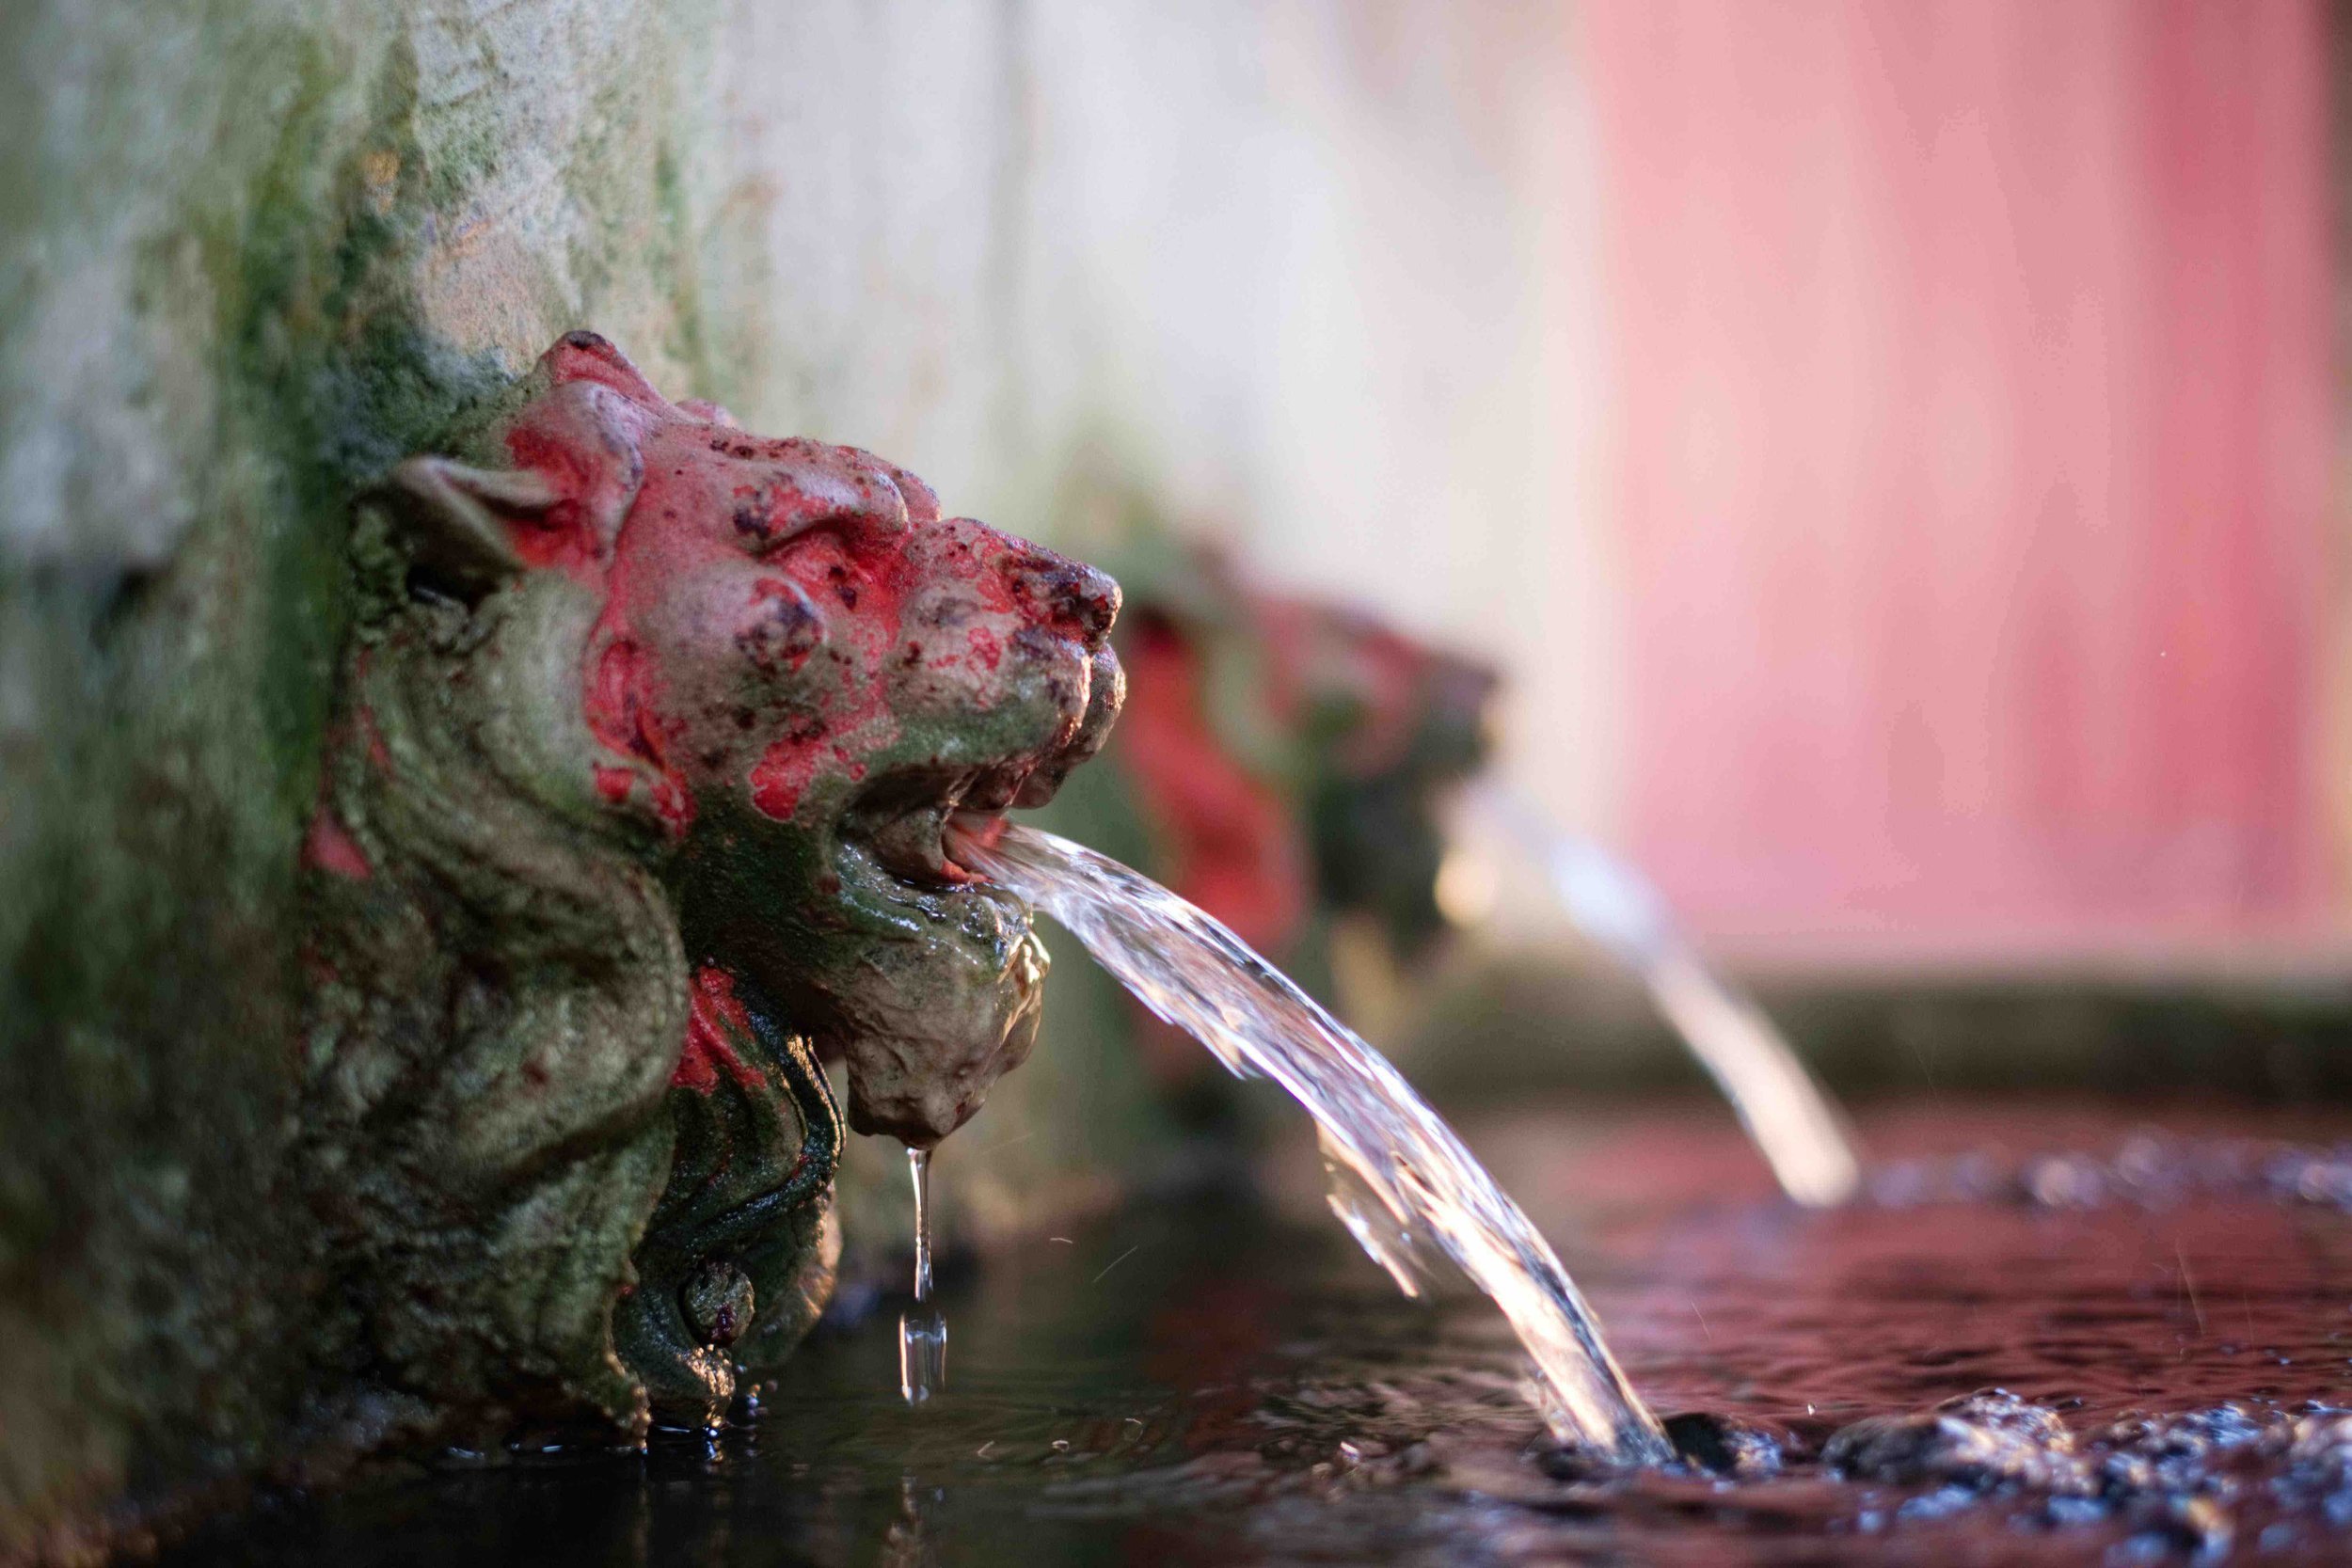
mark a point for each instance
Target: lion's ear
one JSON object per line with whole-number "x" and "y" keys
{"x": 586, "y": 357}
{"x": 455, "y": 518}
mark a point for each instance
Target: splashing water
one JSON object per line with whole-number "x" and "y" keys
{"x": 923, "y": 1332}
{"x": 1401, "y": 1177}
{"x": 1790, "y": 1118}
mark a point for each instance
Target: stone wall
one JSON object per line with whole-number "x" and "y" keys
{"x": 252, "y": 253}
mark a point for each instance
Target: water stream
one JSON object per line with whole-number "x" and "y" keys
{"x": 1401, "y": 1177}
{"x": 1790, "y": 1117}
{"x": 923, "y": 1331}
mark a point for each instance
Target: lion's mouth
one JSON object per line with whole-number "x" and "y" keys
{"x": 913, "y": 847}
{"x": 918, "y": 840}
{"x": 938, "y": 985}
{"x": 910, "y": 821}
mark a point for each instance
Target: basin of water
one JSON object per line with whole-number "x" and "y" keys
{"x": 1203, "y": 1381}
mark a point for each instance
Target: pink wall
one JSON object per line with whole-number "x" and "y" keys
{"x": 1974, "y": 419}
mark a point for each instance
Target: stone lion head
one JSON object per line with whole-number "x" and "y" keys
{"x": 650, "y": 731}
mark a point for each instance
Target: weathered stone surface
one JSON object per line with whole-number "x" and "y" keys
{"x": 649, "y": 734}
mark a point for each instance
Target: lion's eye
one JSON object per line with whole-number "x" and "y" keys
{"x": 842, "y": 493}
{"x": 825, "y": 565}
{"x": 765, "y": 522}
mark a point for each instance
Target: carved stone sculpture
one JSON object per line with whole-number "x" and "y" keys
{"x": 648, "y": 735}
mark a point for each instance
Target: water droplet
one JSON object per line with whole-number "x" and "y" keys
{"x": 922, "y": 1335}
{"x": 922, "y": 1355}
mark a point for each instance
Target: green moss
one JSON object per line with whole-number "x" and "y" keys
{"x": 283, "y": 189}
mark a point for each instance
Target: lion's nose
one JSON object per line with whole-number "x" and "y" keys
{"x": 1066, "y": 596}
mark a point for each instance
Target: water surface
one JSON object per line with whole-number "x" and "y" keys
{"x": 1196, "y": 1381}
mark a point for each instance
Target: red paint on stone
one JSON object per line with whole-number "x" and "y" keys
{"x": 1233, "y": 845}
{"x": 831, "y": 534}
{"x": 330, "y": 848}
{"x": 715, "y": 1019}
{"x": 1326, "y": 655}
{"x": 378, "y": 753}
{"x": 614, "y": 704}
{"x": 780, "y": 776}
{"x": 767, "y": 603}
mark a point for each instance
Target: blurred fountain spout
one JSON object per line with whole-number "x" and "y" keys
{"x": 1789, "y": 1115}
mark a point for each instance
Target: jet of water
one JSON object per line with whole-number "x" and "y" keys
{"x": 922, "y": 1333}
{"x": 1790, "y": 1116}
{"x": 1403, "y": 1178}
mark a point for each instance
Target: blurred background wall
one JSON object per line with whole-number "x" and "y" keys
{"x": 1889, "y": 447}
{"x": 1974, "y": 420}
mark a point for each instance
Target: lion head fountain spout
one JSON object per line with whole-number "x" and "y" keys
{"x": 649, "y": 734}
